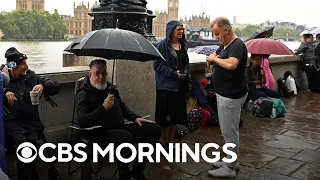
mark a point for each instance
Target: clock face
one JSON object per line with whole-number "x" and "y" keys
{"x": 171, "y": 4}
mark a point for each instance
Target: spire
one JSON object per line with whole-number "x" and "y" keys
{"x": 88, "y": 5}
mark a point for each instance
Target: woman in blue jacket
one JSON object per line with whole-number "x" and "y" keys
{"x": 172, "y": 81}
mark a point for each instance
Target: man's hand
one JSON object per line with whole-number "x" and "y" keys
{"x": 5, "y": 70}
{"x": 141, "y": 120}
{"x": 180, "y": 76}
{"x": 108, "y": 102}
{"x": 211, "y": 57}
{"x": 262, "y": 72}
{"x": 38, "y": 88}
{"x": 11, "y": 97}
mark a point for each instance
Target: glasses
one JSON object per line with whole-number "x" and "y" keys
{"x": 98, "y": 73}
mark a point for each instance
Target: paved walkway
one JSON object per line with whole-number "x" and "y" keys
{"x": 279, "y": 149}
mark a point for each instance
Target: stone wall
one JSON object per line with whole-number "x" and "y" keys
{"x": 135, "y": 81}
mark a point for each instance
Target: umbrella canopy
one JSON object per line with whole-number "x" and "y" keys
{"x": 314, "y": 31}
{"x": 267, "y": 46}
{"x": 205, "y": 49}
{"x": 265, "y": 33}
{"x": 115, "y": 44}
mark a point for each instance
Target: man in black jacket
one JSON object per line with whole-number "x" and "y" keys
{"x": 21, "y": 118}
{"x": 99, "y": 103}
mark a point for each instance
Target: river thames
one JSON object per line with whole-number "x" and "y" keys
{"x": 47, "y": 56}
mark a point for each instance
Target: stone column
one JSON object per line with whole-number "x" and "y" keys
{"x": 135, "y": 80}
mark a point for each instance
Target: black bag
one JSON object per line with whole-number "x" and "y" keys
{"x": 283, "y": 89}
{"x": 181, "y": 131}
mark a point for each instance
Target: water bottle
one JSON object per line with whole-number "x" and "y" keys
{"x": 250, "y": 105}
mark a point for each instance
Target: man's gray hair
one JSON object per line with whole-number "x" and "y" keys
{"x": 221, "y": 22}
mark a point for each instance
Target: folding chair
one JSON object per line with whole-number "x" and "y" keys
{"x": 77, "y": 135}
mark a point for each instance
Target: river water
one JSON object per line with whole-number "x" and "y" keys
{"x": 47, "y": 56}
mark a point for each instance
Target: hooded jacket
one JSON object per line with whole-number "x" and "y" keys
{"x": 23, "y": 113}
{"x": 307, "y": 50}
{"x": 91, "y": 112}
{"x": 166, "y": 71}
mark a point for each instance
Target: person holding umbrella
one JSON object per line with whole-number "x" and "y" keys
{"x": 231, "y": 88}
{"x": 172, "y": 81}
{"x": 99, "y": 103}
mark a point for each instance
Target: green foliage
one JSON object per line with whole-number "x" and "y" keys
{"x": 33, "y": 24}
{"x": 282, "y": 32}
{"x": 249, "y": 30}
{"x": 277, "y": 32}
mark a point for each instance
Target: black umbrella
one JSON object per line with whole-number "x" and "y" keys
{"x": 265, "y": 33}
{"x": 115, "y": 44}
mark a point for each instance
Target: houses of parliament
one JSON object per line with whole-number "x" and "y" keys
{"x": 162, "y": 17}
{"x": 81, "y": 23}
{"x": 30, "y": 4}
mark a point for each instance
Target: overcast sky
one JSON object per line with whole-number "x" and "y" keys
{"x": 247, "y": 11}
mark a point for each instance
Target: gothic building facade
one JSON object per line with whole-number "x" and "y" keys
{"x": 172, "y": 13}
{"x": 80, "y": 23}
{"x": 30, "y": 4}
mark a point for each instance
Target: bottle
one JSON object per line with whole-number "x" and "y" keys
{"x": 250, "y": 105}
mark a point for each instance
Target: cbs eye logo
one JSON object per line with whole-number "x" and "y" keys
{"x": 24, "y": 152}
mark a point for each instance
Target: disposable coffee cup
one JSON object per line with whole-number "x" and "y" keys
{"x": 34, "y": 96}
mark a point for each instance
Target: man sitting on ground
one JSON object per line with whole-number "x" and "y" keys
{"x": 99, "y": 103}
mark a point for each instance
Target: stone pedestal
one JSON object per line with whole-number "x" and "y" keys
{"x": 135, "y": 80}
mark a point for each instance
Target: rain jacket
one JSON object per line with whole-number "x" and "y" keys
{"x": 91, "y": 112}
{"x": 307, "y": 50}
{"x": 166, "y": 71}
{"x": 23, "y": 116}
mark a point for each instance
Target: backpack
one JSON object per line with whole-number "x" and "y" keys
{"x": 194, "y": 118}
{"x": 283, "y": 90}
{"x": 262, "y": 107}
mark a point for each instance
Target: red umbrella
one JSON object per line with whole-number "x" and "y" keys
{"x": 267, "y": 46}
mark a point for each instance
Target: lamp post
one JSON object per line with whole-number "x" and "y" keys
{"x": 130, "y": 15}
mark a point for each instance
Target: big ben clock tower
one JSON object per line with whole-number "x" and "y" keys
{"x": 173, "y": 10}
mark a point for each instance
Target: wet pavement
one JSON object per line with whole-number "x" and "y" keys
{"x": 275, "y": 149}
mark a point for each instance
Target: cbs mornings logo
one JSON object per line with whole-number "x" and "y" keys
{"x": 27, "y": 152}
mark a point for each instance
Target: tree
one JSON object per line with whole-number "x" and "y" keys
{"x": 283, "y": 32}
{"x": 33, "y": 24}
{"x": 249, "y": 30}
{"x": 238, "y": 32}
{"x": 1, "y": 34}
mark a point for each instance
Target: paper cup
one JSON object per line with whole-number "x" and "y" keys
{"x": 34, "y": 96}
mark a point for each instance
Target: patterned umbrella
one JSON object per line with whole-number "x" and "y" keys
{"x": 207, "y": 50}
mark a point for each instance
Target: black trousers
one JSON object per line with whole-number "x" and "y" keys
{"x": 255, "y": 93}
{"x": 131, "y": 133}
{"x": 26, "y": 171}
{"x": 313, "y": 79}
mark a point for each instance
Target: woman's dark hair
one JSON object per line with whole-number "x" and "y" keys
{"x": 253, "y": 57}
{"x": 287, "y": 74}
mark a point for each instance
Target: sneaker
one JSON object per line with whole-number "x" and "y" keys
{"x": 219, "y": 164}
{"x": 223, "y": 171}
